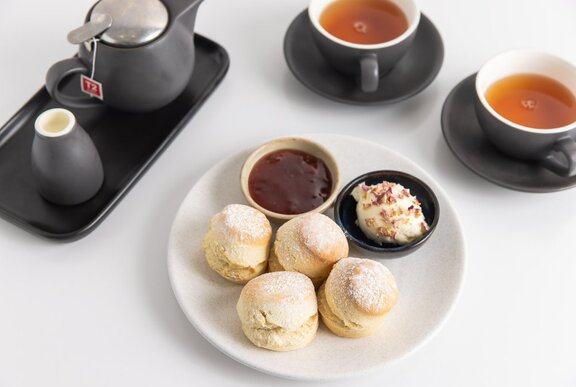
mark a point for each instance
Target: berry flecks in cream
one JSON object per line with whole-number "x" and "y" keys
{"x": 388, "y": 213}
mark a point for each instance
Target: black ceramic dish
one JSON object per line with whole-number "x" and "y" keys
{"x": 412, "y": 74}
{"x": 465, "y": 138}
{"x": 345, "y": 212}
{"x": 128, "y": 144}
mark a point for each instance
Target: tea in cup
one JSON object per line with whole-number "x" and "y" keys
{"x": 526, "y": 105}
{"x": 364, "y": 39}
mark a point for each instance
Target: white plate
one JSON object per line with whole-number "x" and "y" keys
{"x": 429, "y": 279}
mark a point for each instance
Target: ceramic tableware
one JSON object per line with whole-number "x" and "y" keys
{"x": 128, "y": 145}
{"x": 365, "y": 62}
{"x": 298, "y": 144}
{"x": 134, "y": 55}
{"x": 345, "y": 212}
{"x": 554, "y": 148}
{"x": 429, "y": 280}
{"x": 65, "y": 163}
{"x": 413, "y": 73}
{"x": 469, "y": 143}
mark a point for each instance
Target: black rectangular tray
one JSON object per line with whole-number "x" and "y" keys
{"x": 128, "y": 144}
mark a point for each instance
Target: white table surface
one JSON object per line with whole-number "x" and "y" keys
{"x": 100, "y": 311}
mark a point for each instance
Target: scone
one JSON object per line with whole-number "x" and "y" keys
{"x": 279, "y": 311}
{"x": 237, "y": 243}
{"x": 356, "y": 296}
{"x": 309, "y": 244}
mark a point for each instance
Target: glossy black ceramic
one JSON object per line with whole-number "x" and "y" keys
{"x": 128, "y": 145}
{"x": 468, "y": 142}
{"x": 412, "y": 74}
{"x": 345, "y": 212}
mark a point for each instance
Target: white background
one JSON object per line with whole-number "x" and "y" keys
{"x": 100, "y": 311}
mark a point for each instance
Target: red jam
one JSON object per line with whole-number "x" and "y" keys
{"x": 290, "y": 182}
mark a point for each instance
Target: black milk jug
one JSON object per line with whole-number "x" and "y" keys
{"x": 134, "y": 55}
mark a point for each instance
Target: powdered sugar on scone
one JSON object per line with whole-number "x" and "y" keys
{"x": 321, "y": 234}
{"x": 246, "y": 222}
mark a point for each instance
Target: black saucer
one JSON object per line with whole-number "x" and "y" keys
{"x": 468, "y": 142}
{"x": 411, "y": 75}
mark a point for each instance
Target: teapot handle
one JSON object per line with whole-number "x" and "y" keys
{"x": 57, "y": 73}
{"x": 184, "y": 10}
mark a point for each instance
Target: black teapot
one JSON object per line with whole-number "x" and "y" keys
{"x": 134, "y": 55}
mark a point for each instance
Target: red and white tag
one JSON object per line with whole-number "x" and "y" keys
{"x": 91, "y": 87}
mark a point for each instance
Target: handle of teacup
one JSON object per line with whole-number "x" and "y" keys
{"x": 562, "y": 158}
{"x": 57, "y": 73}
{"x": 369, "y": 74}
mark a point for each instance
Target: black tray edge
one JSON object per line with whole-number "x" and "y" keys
{"x": 84, "y": 231}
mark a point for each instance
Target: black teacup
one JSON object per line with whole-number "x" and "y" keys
{"x": 366, "y": 62}
{"x": 554, "y": 148}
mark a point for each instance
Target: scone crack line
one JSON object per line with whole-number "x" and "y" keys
{"x": 332, "y": 318}
{"x": 226, "y": 262}
{"x": 336, "y": 313}
{"x": 270, "y": 326}
{"x": 264, "y": 323}
{"x": 340, "y": 321}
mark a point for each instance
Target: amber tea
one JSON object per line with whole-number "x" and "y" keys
{"x": 533, "y": 100}
{"x": 364, "y": 21}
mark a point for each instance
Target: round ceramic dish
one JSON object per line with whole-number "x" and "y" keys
{"x": 429, "y": 280}
{"x": 293, "y": 143}
{"x": 345, "y": 212}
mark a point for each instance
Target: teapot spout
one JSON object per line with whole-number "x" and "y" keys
{"x": 183, "y": 11}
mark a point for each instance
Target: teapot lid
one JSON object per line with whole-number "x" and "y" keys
{"x": 134, "y": 22}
